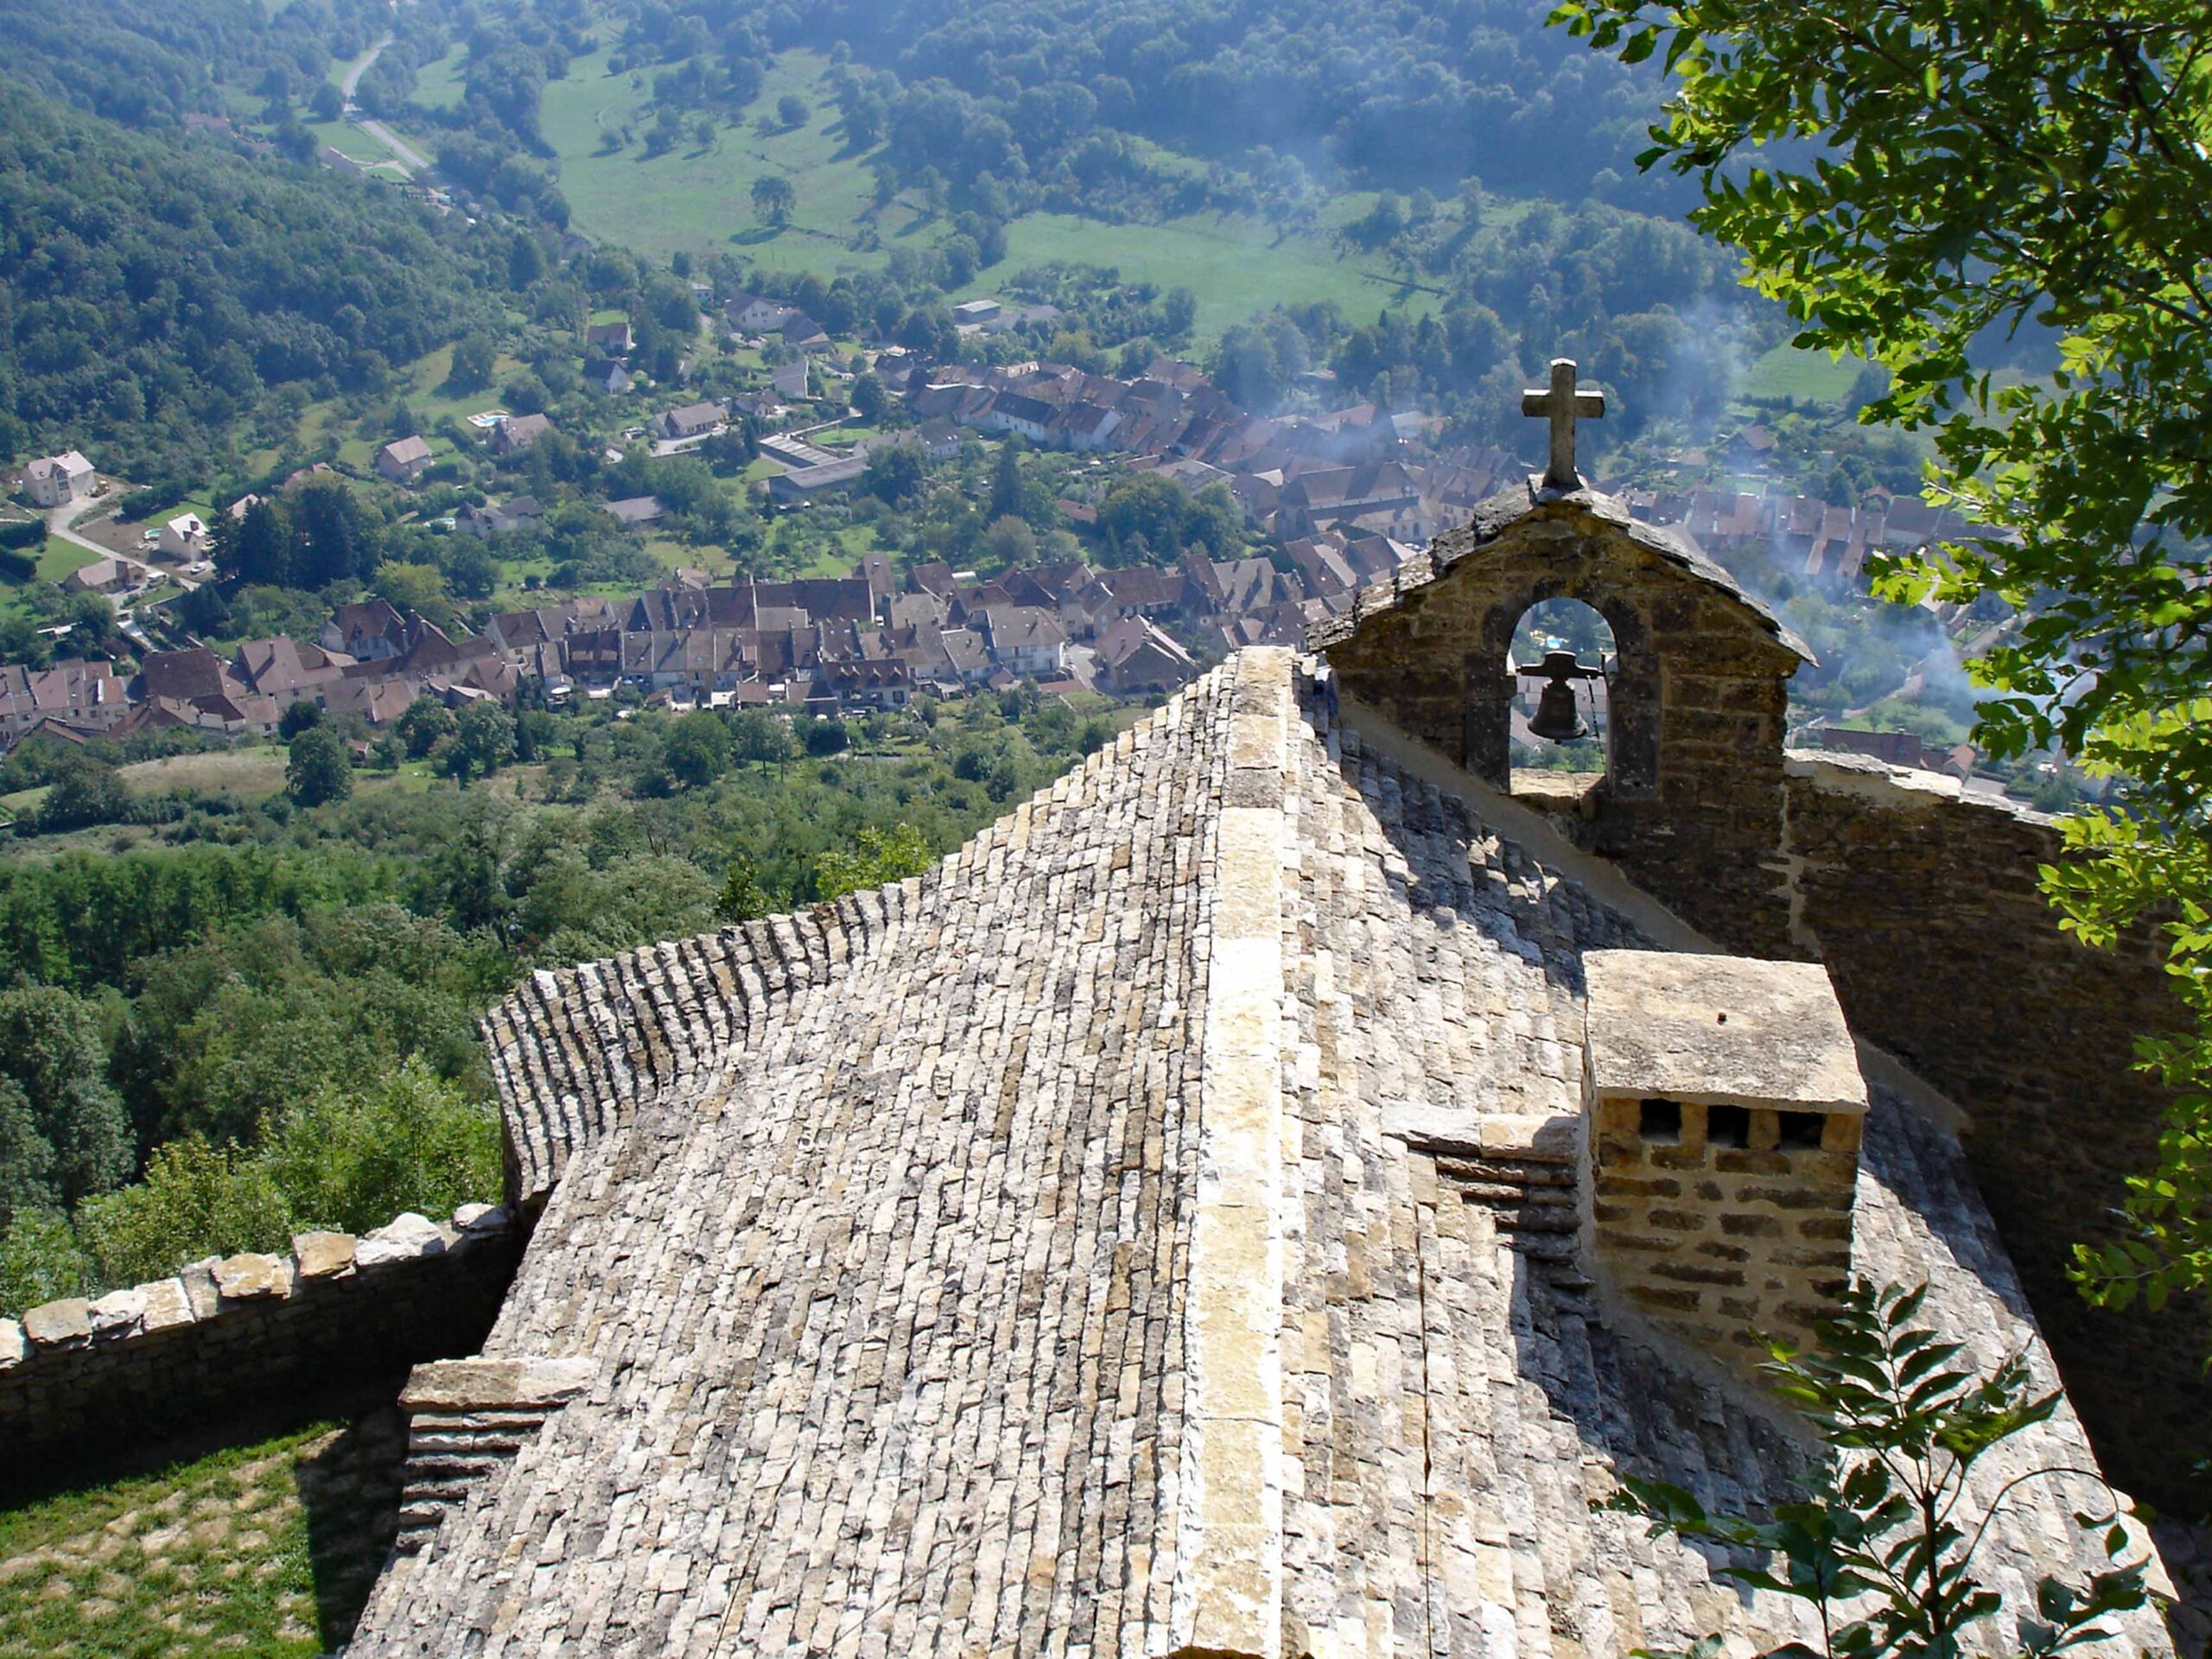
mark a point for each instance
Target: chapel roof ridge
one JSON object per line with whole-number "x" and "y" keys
{"x": 1522, "y": 504}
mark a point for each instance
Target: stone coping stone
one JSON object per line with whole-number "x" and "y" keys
{"x": 480, "y": 1217}
{"x": 1718, "y": 1031}
{"x": 324, "y": 1255}
{"x": 251, "y": 1276}
{"x": 118, "y": 1313}
{"x": 64, "y": 1323}
{"x": 13, "y": 1348}
{"x": 405, "y": 1237}
{"x": 481, "y": 1384}
{"x": 1538, "y": 1138}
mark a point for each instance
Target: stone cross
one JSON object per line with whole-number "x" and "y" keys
{"x": 1562, "y": 405}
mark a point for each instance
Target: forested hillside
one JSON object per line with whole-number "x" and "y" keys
{"x": 1423, "y": 93}
{"x": 153, "y": 291}
{"x": 147, "y": 63}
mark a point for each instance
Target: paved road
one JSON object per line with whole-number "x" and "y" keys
{"x": 377, "y": 130}
{"x": 60, "y": 523}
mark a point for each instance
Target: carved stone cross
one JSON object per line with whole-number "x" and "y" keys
{"x": 1562, "y": 405}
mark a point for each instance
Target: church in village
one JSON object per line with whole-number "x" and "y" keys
{"x": 1262, "y": 1196}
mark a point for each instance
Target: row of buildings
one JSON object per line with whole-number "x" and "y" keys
{"x": 868, "y": 640}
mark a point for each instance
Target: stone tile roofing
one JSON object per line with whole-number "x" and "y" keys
{"x": 1032, "y": 1258}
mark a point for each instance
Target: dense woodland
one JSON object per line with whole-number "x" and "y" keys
{"x": 162, "y": 299}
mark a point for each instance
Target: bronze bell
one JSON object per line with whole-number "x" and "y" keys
{"x": 1557, "y": 720}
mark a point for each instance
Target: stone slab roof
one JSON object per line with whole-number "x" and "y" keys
{"x": 1074, "y": 1250}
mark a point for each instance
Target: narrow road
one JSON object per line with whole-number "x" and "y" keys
{"x": 391, "y": 141}
{"x": 60, "y": 524}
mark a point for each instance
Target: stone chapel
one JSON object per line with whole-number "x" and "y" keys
{"x": 1258, "y": 1198}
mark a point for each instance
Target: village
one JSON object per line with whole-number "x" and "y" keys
{"x": 1328, "y": 503}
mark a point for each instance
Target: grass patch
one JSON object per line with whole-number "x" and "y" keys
{"x": 1800, "y": 375}
{"x": 438, "y": 85}
{"x": 1235, "y": 264}
{"x": 269, "y": 1548}
{"x": 699, "y": 200}
{"x": 59, "y": 558}
{"x": 240, "y": 771}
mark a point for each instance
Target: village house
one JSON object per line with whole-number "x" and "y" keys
{"x": 517, "y": 432}
{"x": 370, "y": 632}
{"x": 751, "y": 313}
{"x": 56, "y": 480}
{"x": 403, "y": 461}
{"x": 184, "y": 537}
{"x": 1134, "y": 658}
{"x": 497, "y": 519}
{"x": 83, "y": 695}
{"x": 101, "y": 576}
{"x": 611, "y": 339}
{"x": 1025, "y": 639}
{"x": 691, "y": 421}
{"x": 634, "y": 511}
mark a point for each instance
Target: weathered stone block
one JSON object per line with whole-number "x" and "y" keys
{"x": 323, "y": 1255}
{"x": 168, "y": 1305}
{"x": 118, "y": 1313}
{"x": 406, "y": 1237}
{"x": 13, "y": 1348}
{"x": 252, "y": 1277}
{"x": 65, "y": 1324}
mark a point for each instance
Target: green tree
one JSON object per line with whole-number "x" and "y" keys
{"x": 2015, "y": 171}
{"x": 893, "y": 473}
{"x": 870, "y": 401}
{"x": 319, "y": 769}
{"x": 85, "y": 792}
{"x": 351, "y": 1160}
{"x": 474, "y": 356}
{"x": 773, "y": 198}
{"x": 298, "y": 716}
{"x": 195, "y": 1200}
{"x": 40, "y": 1261}
{"x": 877, "y": 858}
{"x": 484, "y": 740}
{"x": 755, "y": 734}
{"x": 1885, "y": 1544}
{"x": 64, "y": 1125}
{"x": 792, "y": 111}
{"x": 696, "y": 750}
{"x": 742, "y": 898}
{"x": 426, "y": 720}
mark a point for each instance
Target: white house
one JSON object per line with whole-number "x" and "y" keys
{"x": 753, "y": 314}
{"x": 790, "y": 381}
{"x": 56, "y": 480}
{"x": 184, "y": 537}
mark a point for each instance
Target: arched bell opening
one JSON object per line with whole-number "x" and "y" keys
{"x": 1564, "y": 660}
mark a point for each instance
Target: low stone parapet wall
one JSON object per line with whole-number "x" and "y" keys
{"x": 139, "y": 1364}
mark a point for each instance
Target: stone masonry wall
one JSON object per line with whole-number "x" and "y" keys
{"x": 1691, "y": 804}
{"x": 137, "y": 1363}
{"x": 1923, "y": 906}
{"x": 1713, "y": 1242}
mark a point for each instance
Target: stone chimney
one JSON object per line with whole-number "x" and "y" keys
{"x": 1726, "y": 1107}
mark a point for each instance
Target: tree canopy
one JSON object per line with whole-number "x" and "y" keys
{"x": 1930, "y": 187}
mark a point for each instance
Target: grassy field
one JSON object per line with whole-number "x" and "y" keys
{"x": 1235, "y": 265}
{"x": 240, "y": 772}
{"x": 1805, "y": 377}
{"x": 268, "y": 1550}
{"x": 699, "y": 200}
{"x": 438, "y": 85}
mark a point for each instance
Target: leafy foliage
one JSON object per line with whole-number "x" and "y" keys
{"x": 156, "y": 292}
{"x": 1892, "y": 1518}
{"x": 2014, "y": 173}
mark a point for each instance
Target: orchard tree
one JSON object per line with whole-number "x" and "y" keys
{"x": 1969, "y": 174}
{"x": 773, "y": 198}
{"x": 319, "y": 769}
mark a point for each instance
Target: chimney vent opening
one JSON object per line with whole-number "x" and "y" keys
{"x": 1660, "y": 1122}
{"x": 1728, "y": 1126}
{"x": 1800, "y": 1132}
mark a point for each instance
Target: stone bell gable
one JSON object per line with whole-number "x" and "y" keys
{"x": 1692, "y": 802}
